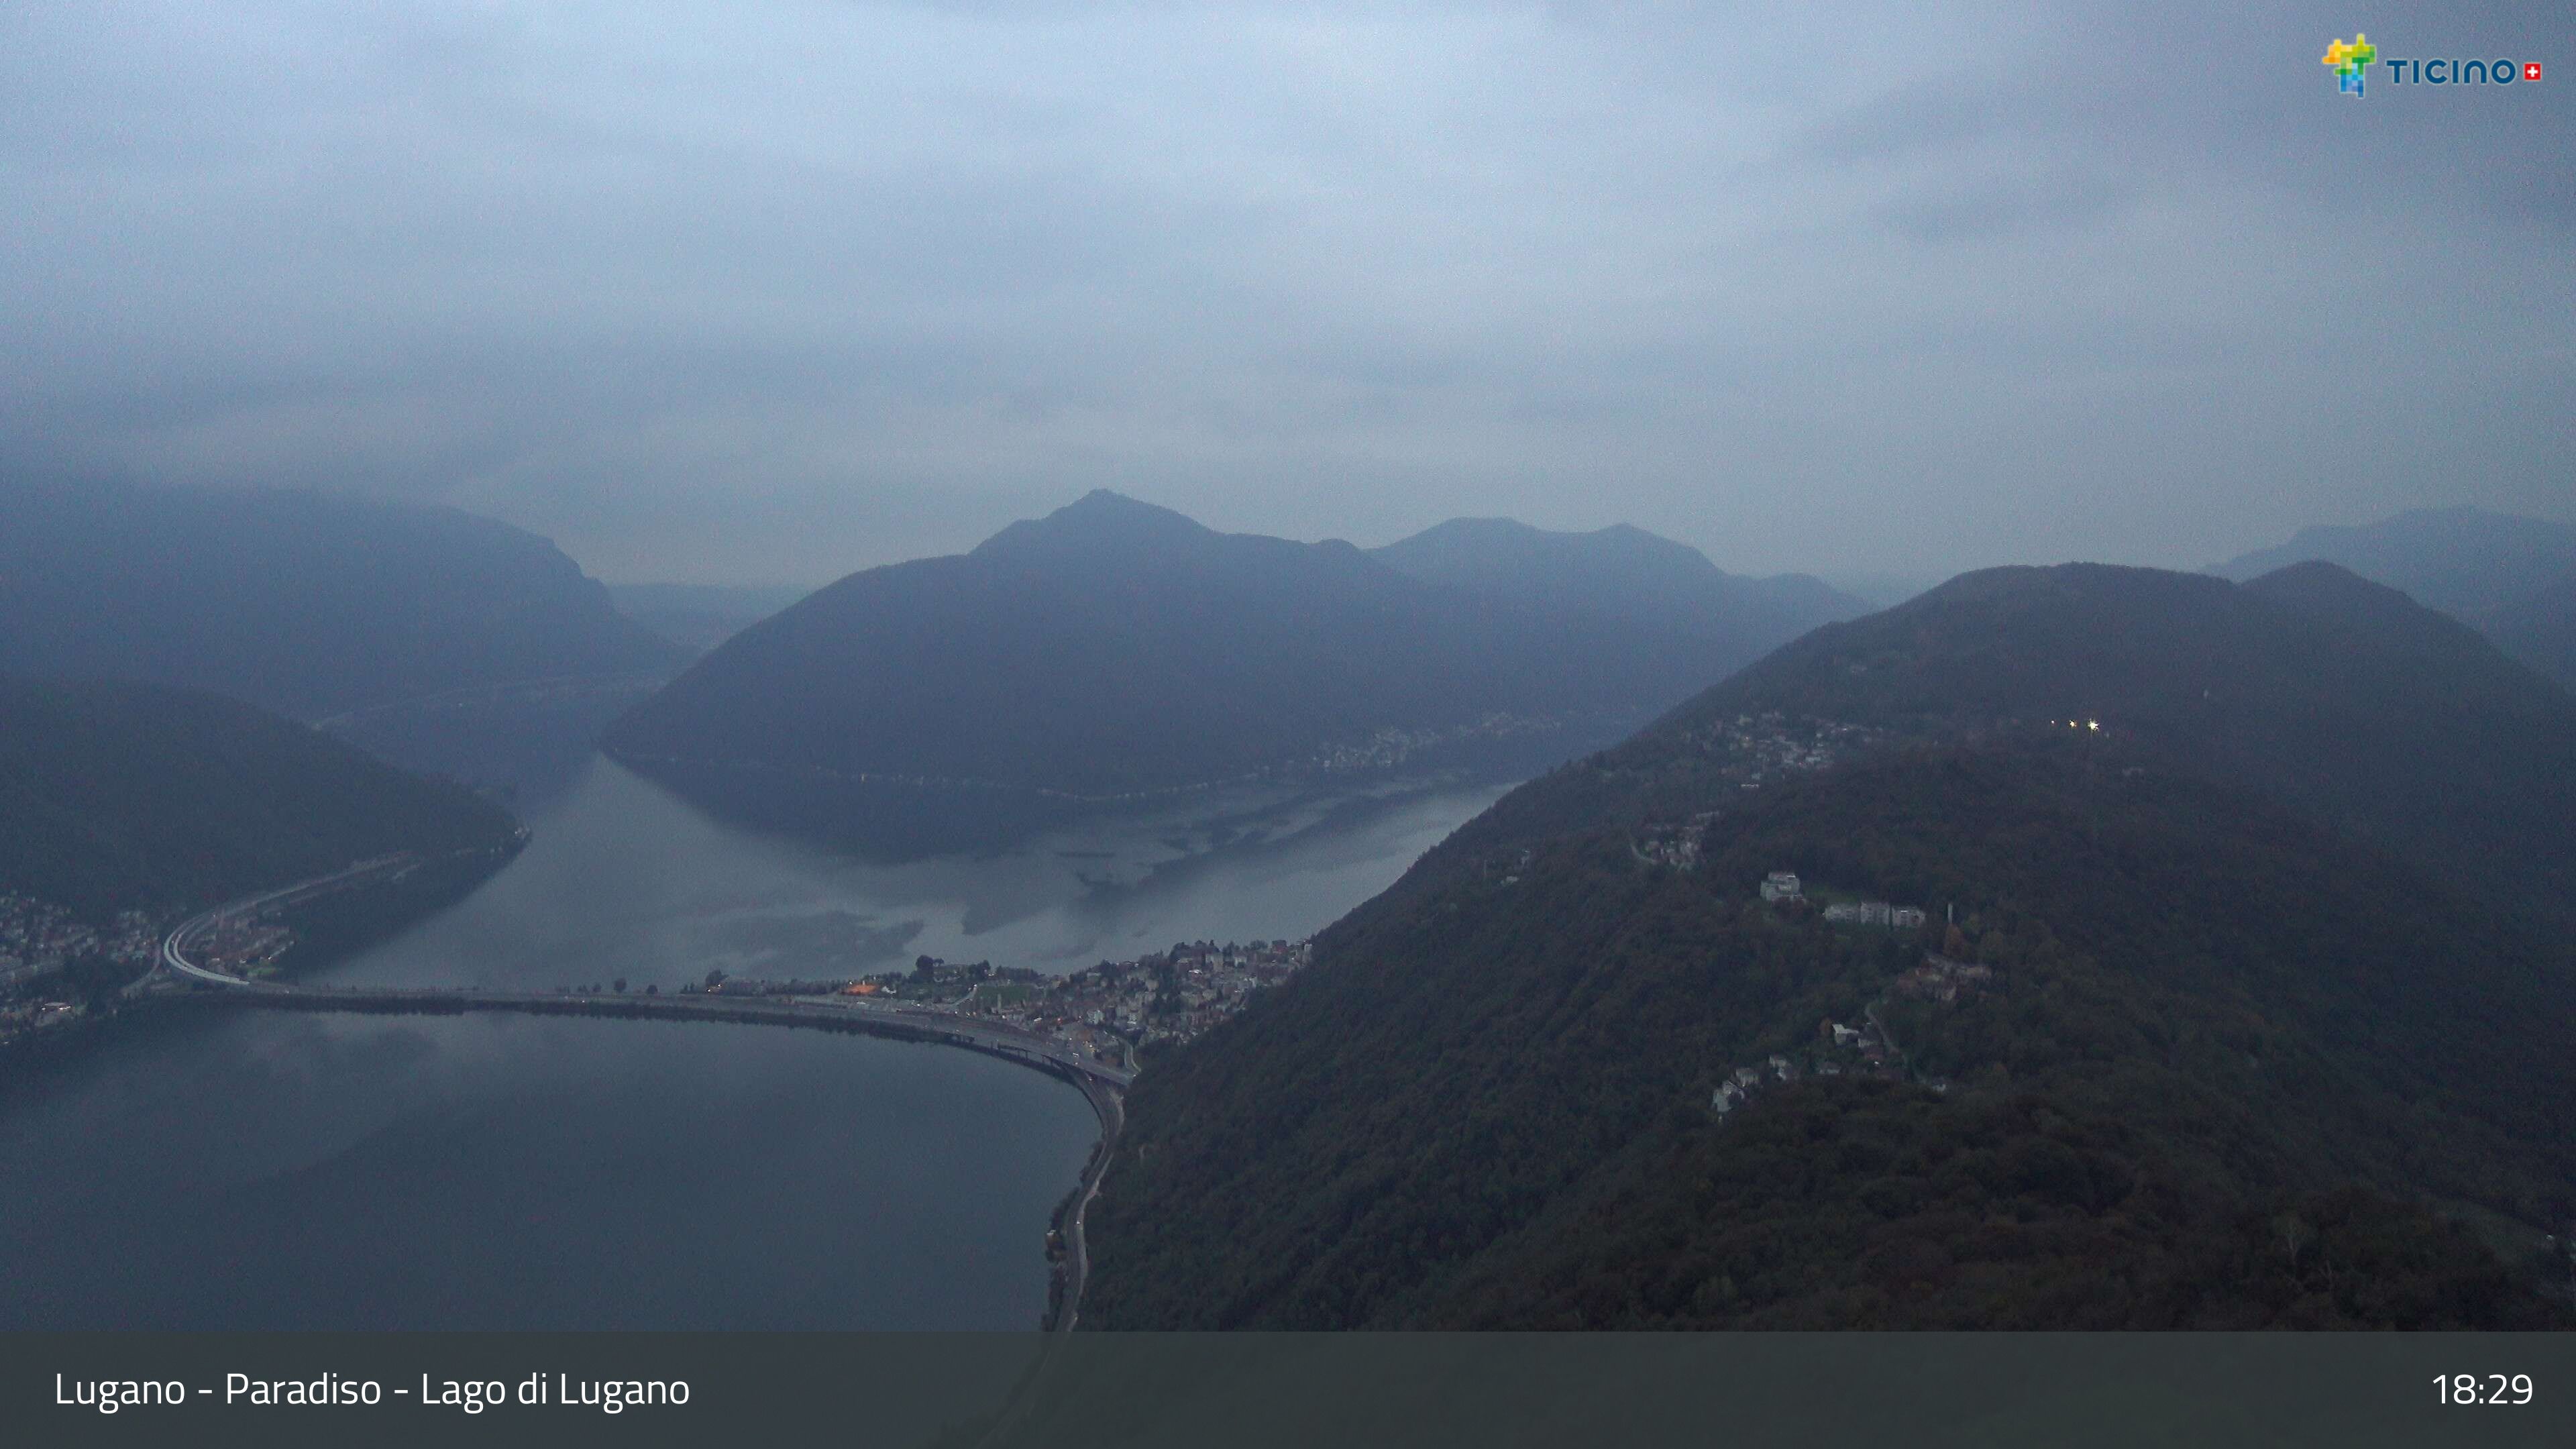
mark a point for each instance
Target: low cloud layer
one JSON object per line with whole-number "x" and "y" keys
{"x": 769, "y": 292}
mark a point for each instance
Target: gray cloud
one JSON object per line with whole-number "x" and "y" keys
{"x": 775, "y": 291}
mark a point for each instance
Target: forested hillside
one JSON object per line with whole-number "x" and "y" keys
{"x": 2338, "y": 697}
{"x": 120, "y": 796}
{"x": 2249, "y": 1041}
{"x": 303, "y": 603}
{"x": 1115, "y": 648}
{"x": 2513, "y": 579}
{"x": 2231, "y": 1070}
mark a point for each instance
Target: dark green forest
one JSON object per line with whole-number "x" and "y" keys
{"x": 2212, "y": 1025}
{"x": 2243, "y": 1060}
{"x": 122, "y": 796}
{"x": 2334, "y": 696}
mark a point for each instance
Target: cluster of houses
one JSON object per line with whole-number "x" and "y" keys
{"x": 1388, "y": 747}
{"x": 37, "y": 937}
{"x": 1743, "y": 1082}
{"x": 1754, "y": 750}
{"x": 1108, "y": 1010}
{"x": 1941, "y": 979}
{"x": 1174, "y": 996}
{"x": 1840, "y": 1050}
{"x": 32, "y": 930}
{"x": 1782, "y": 886}
{"x": 1675, "y": 845}
{"x": 1863, "y": 1049}
{"x": 1874, "y": 913}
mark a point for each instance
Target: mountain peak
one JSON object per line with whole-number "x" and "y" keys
{"x": 1478, "y": 551}
{"x": 1097, "y": 521}
{"x": 1621, "y": 571}
{"x": 2319, "y": 577}
{"x": 2332, "y": 594}
{"x": 2510, "y": 578}
{"x": 2462, "y": 560}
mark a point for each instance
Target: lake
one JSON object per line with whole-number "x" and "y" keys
{"x": 259, "y": 1170}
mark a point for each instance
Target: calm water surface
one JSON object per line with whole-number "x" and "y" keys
{"x": 624, "y": 878}
{"x": 255, "y": 1170}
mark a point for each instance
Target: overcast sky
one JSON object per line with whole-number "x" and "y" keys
{"x": 753, "y": 292}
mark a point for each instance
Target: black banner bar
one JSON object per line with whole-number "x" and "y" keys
{"x": 953, "y": 1391}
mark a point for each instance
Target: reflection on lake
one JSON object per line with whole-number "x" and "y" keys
{"x": 254, "y": 1170}
{"x": 623, "y": 878}
{"x": 283, "y": 1170}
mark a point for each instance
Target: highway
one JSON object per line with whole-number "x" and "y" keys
{"x": 1110, "y": 1106}
{"x": 839, "y": 1013}
{"x": 175, "y": 946}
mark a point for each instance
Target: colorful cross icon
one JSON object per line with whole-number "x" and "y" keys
{"x": 2351, "y": 62}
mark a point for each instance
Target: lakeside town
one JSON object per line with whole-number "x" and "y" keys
{"x": 42, "y": 945}
{"x": 1119, "y": 1012}
{"x": 1113, "y": 1011}
{"x": 1389, "y": 747}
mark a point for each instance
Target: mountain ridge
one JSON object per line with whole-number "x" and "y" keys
{"x": 1622, "y": 570}
{"x": 306, "y": 603}
{"x": 1114, "y": 647}
{"x": 2510, "y": 577}
{"x": 2290, "y": 684}
{"x": 132, "y": 796}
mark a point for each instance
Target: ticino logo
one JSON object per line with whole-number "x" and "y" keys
{"x": 2350, "y": 60}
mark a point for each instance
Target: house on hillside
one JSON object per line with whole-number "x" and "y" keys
{"x": 1941, "y": 979}
{"x": 1780, "y": 885}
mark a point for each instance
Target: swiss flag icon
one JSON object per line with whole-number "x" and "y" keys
{"x": 2531, "y": 70}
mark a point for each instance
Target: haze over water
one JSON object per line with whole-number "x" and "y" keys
{"x": 624, "y": 878}
{"x": 271, "y": 1170}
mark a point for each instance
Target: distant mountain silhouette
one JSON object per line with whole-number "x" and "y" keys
{"x": 122, "y": 796}
{"x": 2512, "y": 578}
{"x": 304, "y": 603}
{"x": 2278, "y": 1026}
{"x": 1114, "y": 647}
{"x": 1619, "y": 572}
{"x": 698, "y": 617}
